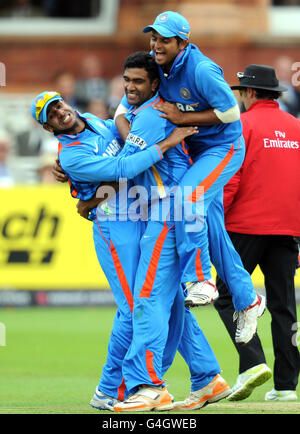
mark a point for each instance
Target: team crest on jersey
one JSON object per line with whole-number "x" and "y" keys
{"x": 185, "y": 93}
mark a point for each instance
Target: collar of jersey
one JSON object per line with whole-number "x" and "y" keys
{"x": 266, "y": 103}
{"x": 178, "y": 62}
{"x": 149, "y": 102}
{"x": 83, "y": 116}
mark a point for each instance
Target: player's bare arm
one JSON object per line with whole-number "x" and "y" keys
{"x": 177, "y": 117}
{"x": 123, "y": 126}
{"x": 58, "y": 173}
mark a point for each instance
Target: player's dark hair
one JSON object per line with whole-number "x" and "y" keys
{"x": 142, "y": 59}
{"x": 267, "y": 94}
{"x": 178, "y": 39}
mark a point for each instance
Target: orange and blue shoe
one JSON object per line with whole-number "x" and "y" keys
{"x": 216, "y": 390}
{"x": 147, "y": 398}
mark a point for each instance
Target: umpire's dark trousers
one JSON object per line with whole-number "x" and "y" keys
{"x": 277, "y": 257}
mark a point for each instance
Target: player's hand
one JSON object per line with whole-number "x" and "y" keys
{"x": 180, "y": 133}
{"x": 58, "y": 173}
{"x": 170, "y": 112}
{"x": 84, "y": 208}
{"x": 177, "y": 136}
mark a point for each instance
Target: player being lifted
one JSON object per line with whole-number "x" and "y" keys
{"x": 193, "y": 83}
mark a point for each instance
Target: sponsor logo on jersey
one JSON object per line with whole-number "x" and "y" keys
{"x": 136, "y": 140}
{"x": 112, "y": 149}
{"x": 186, "y": 107}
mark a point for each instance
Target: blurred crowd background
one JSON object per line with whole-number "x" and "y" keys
{"x": 78, "y": 48}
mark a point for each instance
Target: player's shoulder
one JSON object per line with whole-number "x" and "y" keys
{"x": 205, "y": 67}
{"x": 148, "y": 115}
{"x": 96, "y": 121}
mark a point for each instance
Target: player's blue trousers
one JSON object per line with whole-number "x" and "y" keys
{"x": 117, "y": 248}
{"x": 201, "y": 234}
{"x": 161, "y": 325}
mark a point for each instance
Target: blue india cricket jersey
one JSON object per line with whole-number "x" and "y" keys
{"x": 147, "y": 128}
{"x": 91, "y": 157}
{"x": 196, "y": 83}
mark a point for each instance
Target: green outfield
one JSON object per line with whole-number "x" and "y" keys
{"x": 52, "y": 360}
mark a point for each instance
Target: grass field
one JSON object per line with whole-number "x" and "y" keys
{"x": 52, "y": 361}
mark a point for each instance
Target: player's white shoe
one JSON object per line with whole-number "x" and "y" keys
{"x": 147, "y": 398}
{"x": 248, "y": 380}
{"x": 201, "y": 293}
{"x": 103, "y": 402}
{"x": 281, "y": 395}
{"x": 247, "y": 319}
{"x": 216, "y": 390}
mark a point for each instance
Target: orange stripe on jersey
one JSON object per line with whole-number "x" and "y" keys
{"x": 211, "y": 178}
{"x": 159, "y": 151}
{"x": 186, "y": 151}
{"x": 102, "y": 235}
{"x": 74, "y": 191}
{"x": 150, "y": 368}
{"x": 198, "y": 266}
{"x": 122, "y": 276}
{"x": 150, "y": 276}
{"x": 119, "y": 270}
{"x": 73, "y": 144}
{"x": 158, "y": 99}
{"x": 60, "y": 146}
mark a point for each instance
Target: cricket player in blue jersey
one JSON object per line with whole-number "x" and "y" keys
{"x": 196, "y": 93}
{"x": 89, "y": 151}
{"x": 157, "y": 285}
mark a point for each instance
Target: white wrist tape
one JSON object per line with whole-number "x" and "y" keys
{"x": 121, "y": 110}
{"x": 230, "y": 115}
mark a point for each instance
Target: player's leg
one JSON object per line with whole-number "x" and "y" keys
{"x": 207, "y": 385}
{"x": 210, "y": 173}
{"x": 156, "y": 287}
{"x": 192, "y": 345}
{"x": 203, "y": 181}
{"x": 176, "y": 329}
{"x": 119, "y": 264}
{"x": 226, "y": 259}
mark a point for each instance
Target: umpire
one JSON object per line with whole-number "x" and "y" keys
{"x": 262, "y": 217}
